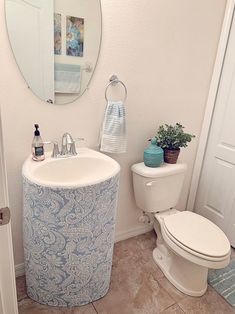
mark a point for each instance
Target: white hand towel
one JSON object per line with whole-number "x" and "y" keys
{"x": 67, "y": 78}
{"x": 113, "y": 131}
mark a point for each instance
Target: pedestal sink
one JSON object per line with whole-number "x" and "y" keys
{"x": 69, "y": 219}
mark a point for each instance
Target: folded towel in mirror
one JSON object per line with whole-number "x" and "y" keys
{"x": 67, "y": 78}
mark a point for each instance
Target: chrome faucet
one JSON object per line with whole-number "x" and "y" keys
{"x": 68, "y": 147}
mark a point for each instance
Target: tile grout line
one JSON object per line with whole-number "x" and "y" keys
{"x": 175, "y": 302}
{"x": 94, "y": 308}
{"x": 181, "y": 308}
{"x": 22, "y": 298}
{"x": 168, "y": 307}
{"x": 159, "y": 284}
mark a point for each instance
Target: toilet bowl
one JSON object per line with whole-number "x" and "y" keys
{"x": 187, "y": 244}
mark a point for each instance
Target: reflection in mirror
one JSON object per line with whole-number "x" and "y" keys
{"x": 56, "y": 44}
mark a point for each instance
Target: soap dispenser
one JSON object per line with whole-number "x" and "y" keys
{"x": 37, "y": 145}
{"x": 153, "y": 154}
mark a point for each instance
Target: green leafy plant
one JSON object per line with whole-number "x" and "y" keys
{"x": 172, "y": 137}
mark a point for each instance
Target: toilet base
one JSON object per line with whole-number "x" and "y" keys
{"x": 186, "y": 276}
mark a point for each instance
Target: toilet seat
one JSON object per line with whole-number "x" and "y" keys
{"x": 196, "y": 238}
{"x": 197, "y": 233}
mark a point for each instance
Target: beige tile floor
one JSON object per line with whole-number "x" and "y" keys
{"x": 137, "y": 287}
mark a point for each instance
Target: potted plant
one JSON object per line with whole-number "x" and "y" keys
{"x": 170, "y": 139}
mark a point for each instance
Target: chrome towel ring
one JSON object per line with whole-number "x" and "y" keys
{"x": 114, "y": 81}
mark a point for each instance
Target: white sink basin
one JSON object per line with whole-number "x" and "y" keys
{"x": 87, "y": 168}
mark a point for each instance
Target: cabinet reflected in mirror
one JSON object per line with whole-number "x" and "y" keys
{"x": 56, "y": 45}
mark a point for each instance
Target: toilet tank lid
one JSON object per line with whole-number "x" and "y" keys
{"x": 162, "y": 171}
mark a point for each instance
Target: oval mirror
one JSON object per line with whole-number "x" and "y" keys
{"x": 56, "y": 45}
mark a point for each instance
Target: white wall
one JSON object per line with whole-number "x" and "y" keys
{"x": 164, "y": 52}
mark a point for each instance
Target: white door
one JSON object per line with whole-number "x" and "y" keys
{"x": 8, "y": 298}
{"x": 31, "y": 31}
{"x": 216, "y": 192}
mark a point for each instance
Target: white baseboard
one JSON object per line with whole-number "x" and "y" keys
{"x": 119, "y": 236}
{"x": 19, "y": 270}
{"x": 124, "y": 235}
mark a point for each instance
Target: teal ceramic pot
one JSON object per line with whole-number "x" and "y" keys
{"x": 153, "y": 154}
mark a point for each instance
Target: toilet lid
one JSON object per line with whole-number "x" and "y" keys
{"x": 197, "y": 233}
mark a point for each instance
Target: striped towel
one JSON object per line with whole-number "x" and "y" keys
{"x": 67, "y": 78}
{"x": 113, "y": 132}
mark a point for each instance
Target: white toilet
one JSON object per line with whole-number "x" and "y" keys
{"x": 187, "y": 243}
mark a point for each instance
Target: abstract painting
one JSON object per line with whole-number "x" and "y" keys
{"x": 74, "y": 36}
{"x": 57, "y": 34}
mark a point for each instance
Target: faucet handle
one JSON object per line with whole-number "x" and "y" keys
{"x": 56, "y": 151}
{"x": 72, "y": 150}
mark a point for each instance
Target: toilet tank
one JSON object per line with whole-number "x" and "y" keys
{"x": 158, "y": 189}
